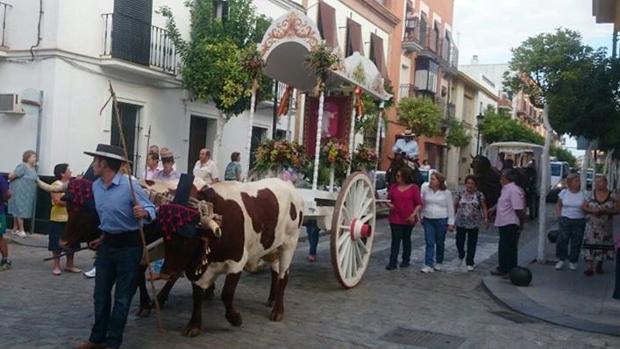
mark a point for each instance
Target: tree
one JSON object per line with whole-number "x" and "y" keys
{"x": 457, "y": 135}
{"x": 421, "y": 115}
{"x": 498, "y": 127}
{"x": 214, "y": 65}
{"x": 564, "y": 155}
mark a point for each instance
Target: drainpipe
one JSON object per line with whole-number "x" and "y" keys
{"x": 39, "y": 38}
{"x": 39, "y": 105}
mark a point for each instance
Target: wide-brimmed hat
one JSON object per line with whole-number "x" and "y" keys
{"x": 408, "y": 133}
{"x": 166, "y": 154}
{"x": 108, "y": 151}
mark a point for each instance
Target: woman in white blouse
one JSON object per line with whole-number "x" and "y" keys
{"x": 437, "y": 218}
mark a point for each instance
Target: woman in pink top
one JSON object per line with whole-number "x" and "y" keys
{"x": 404, "y": 210}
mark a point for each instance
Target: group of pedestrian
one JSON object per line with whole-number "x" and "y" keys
{"x": 439, "y": 212}
{"x": 586, "y": 223}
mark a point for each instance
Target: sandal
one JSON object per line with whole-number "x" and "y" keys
{"x": 56, "y": 272}
{"x": 73, "y": 270}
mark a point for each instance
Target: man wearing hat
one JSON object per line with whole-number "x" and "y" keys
{"x": 119, "y": 248}
{"x": 168, "y": 173}
{"x": 406, "y": 144}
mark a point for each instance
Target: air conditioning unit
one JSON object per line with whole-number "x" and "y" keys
{"x": 9, "y": 104}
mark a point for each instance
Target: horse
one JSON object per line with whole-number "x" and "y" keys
{"x": 487, "y": 179}
{"x": 397, "y": 162}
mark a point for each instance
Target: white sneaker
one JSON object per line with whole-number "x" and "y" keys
{"x": 470, "y": 268}
{"x": 438, "y": 266}
{"x": 427, "y": 269}
{"x": 559, "y": 265}
{"x": 91, "y": 273}
{"x": 20, "y": 233}
{"x": 572, "y": 266}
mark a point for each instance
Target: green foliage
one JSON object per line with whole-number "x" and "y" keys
{"x": 367, "y": 125}
{"x": 563, "y": 155}
{"x": 421, "y": 115}
{"x": 364, "y": 158}
{"x": 498, "y": 127}
{"x": 322, "y": 60}
{"x": 457, "y": 135}
{"x": 220, "y": 59}
{"x": 577, "y": 82}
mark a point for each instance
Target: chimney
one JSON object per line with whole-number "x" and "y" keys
{"x": 474, "y": 59}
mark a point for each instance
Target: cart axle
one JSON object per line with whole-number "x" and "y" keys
{"x": 359, "y": 230}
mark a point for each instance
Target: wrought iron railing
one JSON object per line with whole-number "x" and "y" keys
{"x": 406, "y": 90}
{"x": 4, "y": 7}
{"x": 426, "y": 40}
{"x": 162, "y": 53}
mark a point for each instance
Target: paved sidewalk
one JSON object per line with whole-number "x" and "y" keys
{"x": 567, "y": 298}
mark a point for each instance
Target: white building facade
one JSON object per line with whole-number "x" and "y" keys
{"x": 62, "y": 81}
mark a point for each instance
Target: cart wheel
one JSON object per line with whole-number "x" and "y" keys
{"x": 352, "y": 232}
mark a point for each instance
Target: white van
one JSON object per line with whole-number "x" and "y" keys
{"x": 559, "y": 172}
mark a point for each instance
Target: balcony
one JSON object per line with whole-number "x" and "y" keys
{"x": 138, "y": 42}
{"x": 424, "y": 42}
{"x": 4, "y": 8}
{"x": 406, "y": 90}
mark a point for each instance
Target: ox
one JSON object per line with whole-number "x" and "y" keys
{"x": 259, "y": 221}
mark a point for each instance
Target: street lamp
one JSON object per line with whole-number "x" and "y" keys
{"x": 479, "y": 118}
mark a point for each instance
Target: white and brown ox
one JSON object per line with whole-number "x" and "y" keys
{"x": 259, "y": 221}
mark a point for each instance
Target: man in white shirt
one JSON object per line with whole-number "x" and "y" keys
{"x": 407, "y": 144}
{"x": 205, "y": 168}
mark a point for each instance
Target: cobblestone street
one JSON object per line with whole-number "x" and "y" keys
{"x": 43, "y": 311}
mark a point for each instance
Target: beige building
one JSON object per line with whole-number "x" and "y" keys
{"x": 470, "y": 99}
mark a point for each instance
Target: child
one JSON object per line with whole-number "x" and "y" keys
{"x": 58, "y": 219}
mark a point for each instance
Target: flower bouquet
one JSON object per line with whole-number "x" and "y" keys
{"x": 277, "y": 157}
{"x": 364, "y": 159}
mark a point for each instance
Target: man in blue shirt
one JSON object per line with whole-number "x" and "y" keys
{"x": 119, "y": 248}
{"x": 406, "y": 144}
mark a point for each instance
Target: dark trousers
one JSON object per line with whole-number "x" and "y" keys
{"x": 571, "y": 234}
{"x": 507, "y": 253}
{"x": 115, "y": 265}
{"x": 471, "y": 235}
{"x": 617, "y": 290}
{"x": 313, "y": 230}
{"x": 400, "y": 232}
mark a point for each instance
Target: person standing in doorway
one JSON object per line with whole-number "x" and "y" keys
{"x": 405, "y": 204}
{"x": 437, "y": 218}
{"x": 24, "y": 188}
{"x": 471, "y": 211}
{"x": 205, "y": 167}
{"x": 5, "y": 195}
{"x": 119, "y": 249}
{"x": 58, "y": 219}
{"x": 510, "y": 215}
{"x": 572, "y": 223}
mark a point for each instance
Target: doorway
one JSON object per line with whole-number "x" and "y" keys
{"x": 198, "y": 127}
{"x": 258, "y": 136}
{"x": 130, "y": 123}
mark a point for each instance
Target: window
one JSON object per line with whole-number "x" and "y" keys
{"x": 436, "y": 38}
{"x": 423, "y": 29}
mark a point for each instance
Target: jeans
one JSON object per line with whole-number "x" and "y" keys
{"x": 435, "y": 237}
{"x": 115, "y": 265}
{"x": 471, "y": 235}
{"x": 571, "y": 233}
{"x": 312, "y": 229}
{"x": 507, "y": 253}
{"x": 400, "y": 232}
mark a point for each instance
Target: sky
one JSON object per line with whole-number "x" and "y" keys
{"x": 490, "y": 28}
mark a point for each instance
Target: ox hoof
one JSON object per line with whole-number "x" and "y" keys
{"x": 144, "y": 311}
{"x": 234, "y": 317}
{"x": 191, "y": 331}
{"x": 276, "y": 316}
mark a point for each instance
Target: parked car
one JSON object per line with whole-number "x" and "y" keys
{"x": 559, "y": 172}
{"x": 381, "y": 193}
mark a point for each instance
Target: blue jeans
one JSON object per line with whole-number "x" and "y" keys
{"x": 435, "y": 237}
{"x": 115, "y": 265}
{"x": 313, "y": 230}
{"x": 571, "y": 234}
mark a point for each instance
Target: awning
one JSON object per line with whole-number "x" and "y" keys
{"x": 377, "y": 55}
{"x": 327, "y": 24}
{"x": 354, "y": 38}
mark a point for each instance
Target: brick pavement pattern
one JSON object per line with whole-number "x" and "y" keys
{"x": 39, "y": 310}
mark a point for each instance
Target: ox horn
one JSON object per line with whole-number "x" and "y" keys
{"x": 208, "y": 219}
{"x": 52, "y": 188}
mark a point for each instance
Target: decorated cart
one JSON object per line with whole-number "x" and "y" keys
{"x": 331, "y": 87}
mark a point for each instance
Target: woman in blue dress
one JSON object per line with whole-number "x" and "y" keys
{"x": 24, "y": 188}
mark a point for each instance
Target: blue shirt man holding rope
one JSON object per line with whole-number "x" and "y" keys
{"x": 119, "y": 249}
